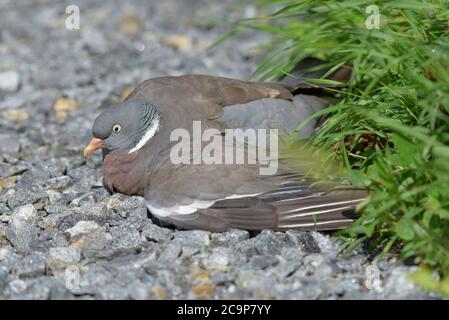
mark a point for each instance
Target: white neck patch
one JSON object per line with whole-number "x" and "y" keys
{"x": 151, "y": 131}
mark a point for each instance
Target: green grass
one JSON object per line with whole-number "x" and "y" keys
{"x": 390, "y": 126}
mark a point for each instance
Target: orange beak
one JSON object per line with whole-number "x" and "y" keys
{"x": 93, "y": 145}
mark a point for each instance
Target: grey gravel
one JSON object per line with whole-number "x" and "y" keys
{"x": 30, "y": 266}
{"x": 263, "y": 262}
{"x": 63, "y": 236}
{"x": 22, "y": 235}
{"x": 26, "y": 195}
{"x": 9, "y": 144}
{"x": 154, "y": 233}
{"x": 59, "y": 183}
{"x": 66, "y": 255}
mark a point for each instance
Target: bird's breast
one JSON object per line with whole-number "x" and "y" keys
{"x": 125, "y": 173}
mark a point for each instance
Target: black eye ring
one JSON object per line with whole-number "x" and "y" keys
{"x": 116, "y": 128}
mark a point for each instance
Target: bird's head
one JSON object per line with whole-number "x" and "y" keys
{"x": 125, "y": 128}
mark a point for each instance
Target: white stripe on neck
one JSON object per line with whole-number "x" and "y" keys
{"x": 151, "y": 131}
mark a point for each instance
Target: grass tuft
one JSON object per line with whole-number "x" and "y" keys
{"x": 390, "y": 126}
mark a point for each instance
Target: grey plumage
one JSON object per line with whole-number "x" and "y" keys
{"x": 274, "y": 113}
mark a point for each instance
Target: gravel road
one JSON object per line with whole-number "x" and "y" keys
{"x": 62, "y": 236}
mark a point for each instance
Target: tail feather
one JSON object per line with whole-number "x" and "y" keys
{"x": 335, "y": 224}
{"x": 333, "y": 210}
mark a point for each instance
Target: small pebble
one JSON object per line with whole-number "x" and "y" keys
{"x": 9, "y": 80}
{"x": 83, "y": 227}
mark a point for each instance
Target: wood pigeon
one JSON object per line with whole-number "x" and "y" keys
{"x": 136, "y": 140}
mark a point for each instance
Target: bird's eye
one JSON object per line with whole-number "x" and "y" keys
{"x": 116, "y": 128}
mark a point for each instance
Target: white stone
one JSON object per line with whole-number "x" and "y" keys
{"x": 18, "y": 286}
{"x": 83, "y": 227}
{"x": 26, "y": 213}
{"x": 4, "y": 252}
{"x": 9, "y": 80}
{"x": 53, "y": 196}
{"x": 217, "y": 261}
